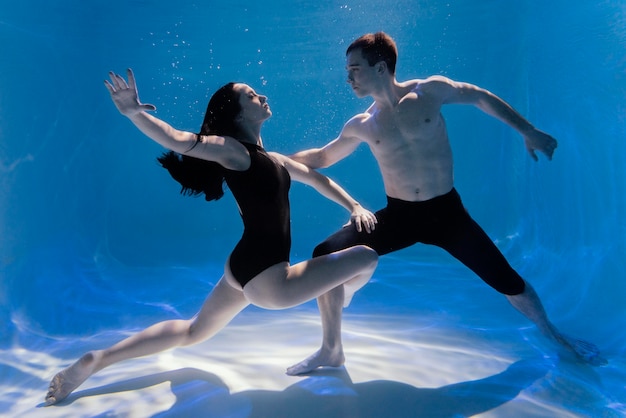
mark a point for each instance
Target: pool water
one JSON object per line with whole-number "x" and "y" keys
{"x": 96, "y": 242}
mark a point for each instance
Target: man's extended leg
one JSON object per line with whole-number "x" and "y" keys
{"x": 529, "y": 305}
{"x": 471, "y": 245}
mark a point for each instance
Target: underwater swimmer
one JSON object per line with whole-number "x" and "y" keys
{"x": 407, "y": 134}
{"x": 229, "y": 148}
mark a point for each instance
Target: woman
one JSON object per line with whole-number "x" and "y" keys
{"x": 229, "y": 147}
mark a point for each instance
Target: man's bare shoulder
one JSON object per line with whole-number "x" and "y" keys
{"x": 437, "y": 87}
{"x": 356, "y": 125}
{"x": 360, "y": 118}
{"x": 409, "y": 84}
{"x": 434, "y": 82}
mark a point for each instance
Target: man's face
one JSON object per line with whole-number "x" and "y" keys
{"x": 361, "y": 76}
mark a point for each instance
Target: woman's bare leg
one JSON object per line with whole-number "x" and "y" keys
{"x": 333, "y": 279}
{"x": 220, "y": 307}
{"x": 282, "y": 286}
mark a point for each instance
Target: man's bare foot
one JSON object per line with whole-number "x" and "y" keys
{"x": 585, "y": 351}
{"x": 319, "y": 359}
{"x": 70, "y": 378}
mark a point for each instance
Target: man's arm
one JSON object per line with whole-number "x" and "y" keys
{"x": 450, "y": 91}
{"x": 359, "y": 216}
{"x": 334, "y": 151}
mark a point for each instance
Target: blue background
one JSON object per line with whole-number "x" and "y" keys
{"x": 95, "y": 237}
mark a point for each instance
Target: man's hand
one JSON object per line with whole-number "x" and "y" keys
{"x": 537, "y": 140}
{"x": 125, "y": 95}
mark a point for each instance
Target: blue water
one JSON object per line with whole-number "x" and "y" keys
{"x": 95, "y": 240}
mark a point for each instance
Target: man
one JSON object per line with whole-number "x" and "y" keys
{"x": 407, "y": 134}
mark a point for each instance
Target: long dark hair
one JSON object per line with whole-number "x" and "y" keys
{"x": 197, "y": 176}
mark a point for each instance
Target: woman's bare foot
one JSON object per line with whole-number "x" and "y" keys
{"x": 70, "y": 378}
{"x": 321, "y": 358}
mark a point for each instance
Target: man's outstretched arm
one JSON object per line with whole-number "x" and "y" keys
{"x": 464, "y": 93}
{"x": 335, "y": 150}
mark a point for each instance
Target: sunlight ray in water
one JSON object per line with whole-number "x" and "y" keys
{"x": 96, "y": 243}
{"x": 441, "y": 366}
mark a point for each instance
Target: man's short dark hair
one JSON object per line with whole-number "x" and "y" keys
{"x": 376, "y": 47}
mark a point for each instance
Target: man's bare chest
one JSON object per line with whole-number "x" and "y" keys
{"x": 412, "y": 123}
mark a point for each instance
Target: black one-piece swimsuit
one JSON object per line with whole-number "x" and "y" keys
{"x": 262, "y": 193}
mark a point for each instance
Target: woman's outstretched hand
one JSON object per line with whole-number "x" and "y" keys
{"x": 362, "y": 218}
{"x": 125, "y": 95}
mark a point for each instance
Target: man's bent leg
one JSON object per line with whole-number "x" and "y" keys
{"x": 330, "y": 306}
{"x": 330, "y": 354}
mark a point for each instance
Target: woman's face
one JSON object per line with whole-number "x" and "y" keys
{"x": 254, "y": 107}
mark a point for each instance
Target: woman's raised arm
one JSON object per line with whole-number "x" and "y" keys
{"x": 223, "y": 150}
